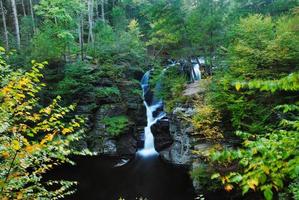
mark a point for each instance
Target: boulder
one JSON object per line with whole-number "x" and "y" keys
{"x": 126, "y": 145}
{"x": 162, "y": 137}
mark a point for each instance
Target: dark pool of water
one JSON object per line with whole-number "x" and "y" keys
{"x": 150, "y": 178}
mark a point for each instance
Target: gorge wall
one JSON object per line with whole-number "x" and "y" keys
{"x": 176, "y": 138}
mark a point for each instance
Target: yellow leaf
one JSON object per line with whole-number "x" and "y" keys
{"x": 5, "y": 155}
{"x": 48, "y": 137}
{"x": 254, "y": 151}
{"x": 15, "y": 145}
{"x": 238, "y": 86}
{"x": 266, "y": 169}
{"x": 47, "y": 110}
{"x": 252, "y": 183}
{"x": 25, "y": 141}
{"x": 20, "y": 195}
{"x": 66, "y": 130}
{"x": 32, "y": 148}
{"x": 229, "y": 187}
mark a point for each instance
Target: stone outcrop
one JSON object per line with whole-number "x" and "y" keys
{"x": 162, "y": 137}
{"x": 175, "y": 138}
{"x": 179, "y": 152}
{"x": 128, "y": 103}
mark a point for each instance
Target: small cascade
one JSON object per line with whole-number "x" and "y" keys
{"x": 196, "y": 73}
{"x": 151, "y": 107}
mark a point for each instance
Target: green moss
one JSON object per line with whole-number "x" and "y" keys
{"x": 115, "y": 125}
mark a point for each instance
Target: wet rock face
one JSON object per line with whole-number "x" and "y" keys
{"x": 126, "y": 144}
{"x": 130, "y": 104}
{"x": 180, "y": 132}
{"x": 162, "y": 135}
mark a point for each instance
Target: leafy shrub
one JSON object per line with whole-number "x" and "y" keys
{"x": 268, "y": 160}
{"x": 107, "y": 92}
{"x": 169, "y": 86}
{"x": 33, "y": 139}
{"x": 258, "y": 92}
{"x": 115, "y": 125}
{"x": 119, "y": 47}
{"x": 77, "y": 81}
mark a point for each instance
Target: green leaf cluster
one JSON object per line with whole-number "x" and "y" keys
{"x": 115, "y": 125}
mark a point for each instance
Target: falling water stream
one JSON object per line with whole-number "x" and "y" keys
{"x": 151, "y": 107}
{"x": 196, "y": 73}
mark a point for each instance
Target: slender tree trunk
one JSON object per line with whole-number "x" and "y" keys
{"x": 5, "y": 33}
{"x": 103, "y": 10}
{"x": 90, "y": 22}
{"x": 97, "y": 9}
{"x": 16, "y": 22}
{"x": 23, "y": 7}
{"x": 81, "y": 38}
{"x": 32, "y": 15}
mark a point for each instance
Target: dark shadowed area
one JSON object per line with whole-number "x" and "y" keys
{"x": 148, "y": 177}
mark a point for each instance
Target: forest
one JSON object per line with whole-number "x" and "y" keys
{"x": 188, "y": 99}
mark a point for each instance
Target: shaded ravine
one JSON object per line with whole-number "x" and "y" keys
{"x": 146, "y": 175}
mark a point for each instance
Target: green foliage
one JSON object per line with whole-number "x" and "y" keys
{"x": 259, "y": 92}
{"x": 33, "y": 139}
{"x": 115, "y": 125}
{"x": 119, "y": 18}
{"x": 205, "y": 26}
{"x": 77, "y": 81}
{"x": 200, "y": 174}
{"x": 206, "y": 121}
{"x": 120, "y": 47}
{"x": 107, "y": 92}
{"x": 56, "y": 37}
{"x": 265, "y": 46}
{"x": 252, "y": 55}
{"x": 166, "y": 23}
{"x": 61, "y": 12}
{"x": 51, "y": 42}
{"x": 268, "y": 160}
{"x": 169, "y": 86}
{"x": 273, "y": 8}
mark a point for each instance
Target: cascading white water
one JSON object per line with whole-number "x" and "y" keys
{"x": 196, "y": 73}
{"x": 149, "y": 147}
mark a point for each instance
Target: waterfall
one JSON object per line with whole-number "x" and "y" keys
{"x": 196, "y": 73}
{"x": 151, "y": 107}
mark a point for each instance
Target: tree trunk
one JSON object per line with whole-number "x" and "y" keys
{"x": 90, "y": 22}
{"x": 16, "y": 22}
{"x": 80, "y": 35}
{"x": 3, "y": 12}
{"x": 23, "y": 7}
{"x": 32, "y": 15}
{"x": 97, "y": 9}
{"x": 103, "y": 10}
